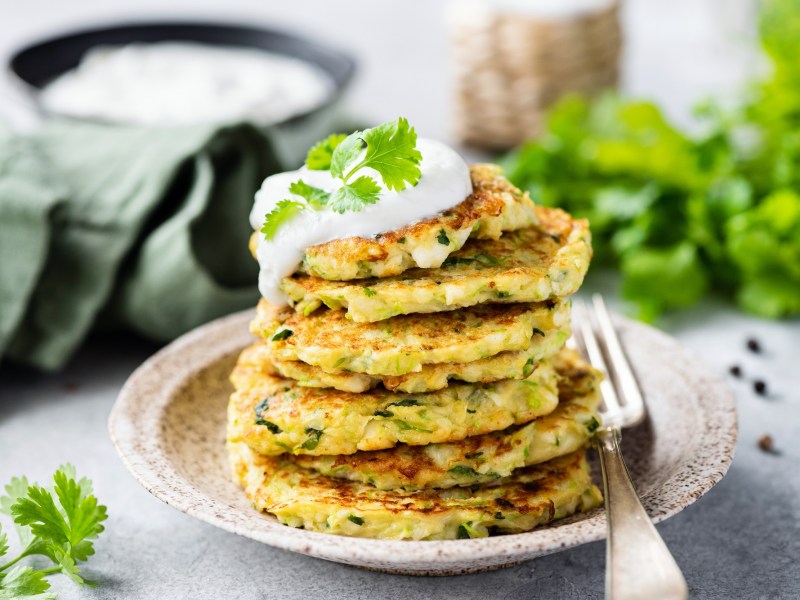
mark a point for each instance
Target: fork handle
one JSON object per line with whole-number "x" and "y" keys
{"x": 638, "y": 562}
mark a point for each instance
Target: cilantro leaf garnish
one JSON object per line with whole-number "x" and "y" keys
{"x": 346, "y": 152}
{"x": 391, "y": 150}
{"x": 74, "y": 525}
{"x": 283, "y": 211}
{"x": 319, "y": 157}
{"x": 314, "y": 196}
{"x": 68, "y": 565}
{"x": 3, "y": 543}
{"x": 24, "y": 582}
{"x": 16, "y": 489}
{"x": 355, "y": 196}
{"x": 59, "y": 523}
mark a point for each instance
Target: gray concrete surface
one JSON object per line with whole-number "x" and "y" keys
{"x": 740, "y": 541}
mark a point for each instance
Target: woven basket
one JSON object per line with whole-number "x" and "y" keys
{"x": 510, "y": 67}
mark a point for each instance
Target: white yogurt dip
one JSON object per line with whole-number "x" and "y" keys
{"x": 182, "y": 83}
{"x": 444, "y": 183}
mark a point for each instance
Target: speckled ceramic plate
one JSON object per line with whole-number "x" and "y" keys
{"x": 168, "y": 425}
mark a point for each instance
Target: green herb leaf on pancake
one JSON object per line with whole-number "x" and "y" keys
{"x": 319, "y": 157}
{"x": 355, "y": 196}
{"x": 346, "y": 152}
{"x": 315, "y": 197}
{"x": 389, "y": 149}
{"x": 392, "y": 152}
{"x": 283, "y": 211}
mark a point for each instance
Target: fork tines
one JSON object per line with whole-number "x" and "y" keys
{"x": 623, "y": 405}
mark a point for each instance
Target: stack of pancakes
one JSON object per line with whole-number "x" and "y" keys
{"x": 418, "y": 386}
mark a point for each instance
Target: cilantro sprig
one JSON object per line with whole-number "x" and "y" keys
{"x": 283, "y": 211}
{"x": 58, "y": 523}
{"x": 319, "y": 157}
{"x": 390, "y": 150}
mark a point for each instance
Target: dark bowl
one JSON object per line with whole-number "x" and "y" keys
{"x": 32, "y": 67}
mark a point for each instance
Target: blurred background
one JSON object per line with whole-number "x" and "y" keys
{"x": 675, "y": 51}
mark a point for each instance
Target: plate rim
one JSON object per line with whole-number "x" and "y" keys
{"x": 144, "y": 458}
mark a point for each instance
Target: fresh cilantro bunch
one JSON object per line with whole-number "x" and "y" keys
{"x": 389, "y": 149}
{"x": 58, "y": 523}
{"x": 683, "y": 216}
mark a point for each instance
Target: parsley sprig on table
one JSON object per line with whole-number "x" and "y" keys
{"x": 58, "y": 523}
{"x": 389, "y": 149}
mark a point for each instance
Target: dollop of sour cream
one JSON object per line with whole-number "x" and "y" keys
{"x": 444, "y": 183}
{"x": 182, "y": 83}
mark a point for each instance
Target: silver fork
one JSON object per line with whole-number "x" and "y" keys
{"x": 638, "y": 562}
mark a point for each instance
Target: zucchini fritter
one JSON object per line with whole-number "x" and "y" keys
{"x": 484, "y": 458}
{"x": 274, "y": 415}
{"x": 494, "y": 206}
{"x": 403, "y": 344}
{"x": 505, "y": 365}
{"x": 543, "y": 261}
{"x": 303, "y": 498}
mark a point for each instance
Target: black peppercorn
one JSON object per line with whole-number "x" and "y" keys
{"x": 767, "y": 444}
{"x": 753, "y": 345}
{"x": 760, "y": 387}
{"x": 735, "y": 370}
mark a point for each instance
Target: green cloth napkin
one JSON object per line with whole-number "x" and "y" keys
{"x": 143, "y": 228}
